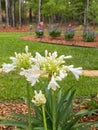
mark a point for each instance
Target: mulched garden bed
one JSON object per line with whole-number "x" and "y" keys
{"x": 76, "y": 41}
{"x": 14, "y": 29}
{"x": 7, "y": 108}
{"x": 21, "y": 108}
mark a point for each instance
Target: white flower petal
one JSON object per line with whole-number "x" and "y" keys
{"x": 32, "y": 74}
{"x": 26, "y": 49}
{"x": 8, "y": 67}
{"x": 75, "y": 71}
{"x": 68, "y": 57}
{"x": 53, "y": 84}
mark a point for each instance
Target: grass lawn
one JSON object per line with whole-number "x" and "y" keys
{"x": 12, "y": 86}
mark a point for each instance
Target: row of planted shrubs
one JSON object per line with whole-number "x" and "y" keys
{"x": 88, "y": 35}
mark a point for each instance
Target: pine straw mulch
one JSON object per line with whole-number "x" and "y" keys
{"x": 7, "y": 108}
{"x": 76, "y": 41}
{"x": 14, "y": 29}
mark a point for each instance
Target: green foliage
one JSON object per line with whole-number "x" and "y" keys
{"x": 69, "y": 33}
{"x": 54, "y": 31}
{"x": 11, "y": 42}
{"x": 93, "y": 11}
{"x": 93, "y": 104}
{"x": 88, "y": 35}
{"x": 39, "y": 33}
{"x": 66, "y": 118}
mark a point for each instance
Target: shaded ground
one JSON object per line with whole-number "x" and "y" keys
{"x": 14, "y": 29}
{"x": 76, "y": 41}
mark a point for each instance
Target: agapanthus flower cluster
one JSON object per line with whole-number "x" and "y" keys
{"x": 51, "y": 65}
{"x": 21, "y": 60}
{"x": 39, "y": 98}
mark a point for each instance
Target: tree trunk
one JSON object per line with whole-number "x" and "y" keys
{"x": 20, "y": 6}
{"x": 86, "y": 13}
{"x": 87, "y": 10}
{"x": 30, "y": 15}
{"x": 7, "y": 14}
{"x": 13, "y": 13}
{"x": 39, "y": 11}
{"x": 0, "y": 14}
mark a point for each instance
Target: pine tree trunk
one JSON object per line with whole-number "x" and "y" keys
{"x": 13, "y": 13}
{"x": 0, "y": 14}
{"x": 7, "y": 14}
{"x": 39, "y": 11}
{"x": 87, "y": 10}
{"x": 20, "y": 5}
{"x": 86, "y": 13}
{"x": 30, "y": 15}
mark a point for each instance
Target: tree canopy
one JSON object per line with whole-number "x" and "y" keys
{"x": 13, "y": 12}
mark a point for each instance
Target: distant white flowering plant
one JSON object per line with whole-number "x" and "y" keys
{"x": 53, "y": 108}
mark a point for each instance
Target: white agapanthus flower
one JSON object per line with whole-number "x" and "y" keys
{"x": 76, "y": 71}
{"x": 32, "y": 75}
{"x": 21, "y": 60}
{"x": 51, "y": 65}
{"x": 8, "y": 67}
{"x": 53, "y": 84}
{"x": 39, "y": 98}
{"x": 55, "y": 68}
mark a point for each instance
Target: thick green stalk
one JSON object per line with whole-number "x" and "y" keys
{"x": 44, "y": 117}
{"x": 29, "y": 111}
{"x": 54, "y": 110}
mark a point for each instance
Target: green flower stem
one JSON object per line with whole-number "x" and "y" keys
{"x": 44, "y": 117}
{"x": 29, "y": 111}
{"x": 54, "y": 110}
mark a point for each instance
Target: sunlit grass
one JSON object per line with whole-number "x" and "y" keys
{"x": 12, "y": 86}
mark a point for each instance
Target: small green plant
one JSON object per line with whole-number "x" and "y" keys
{"x": 69, "y": 33}
{"x": 93, "y": 104}
{"x": 30, "y": 27}
{"x": 88, "y": 35}
{"x": 39, "y": 31}
{"x": 54, "y": 32}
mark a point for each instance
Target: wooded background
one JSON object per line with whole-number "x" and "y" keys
{"x": 20, "y": 12}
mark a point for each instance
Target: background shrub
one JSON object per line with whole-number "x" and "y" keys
{"x": 69, "y": 33}
{"x": 88, "y": 35}
{"x": 39, "y": 31}
{"x": 54, "y": 31}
